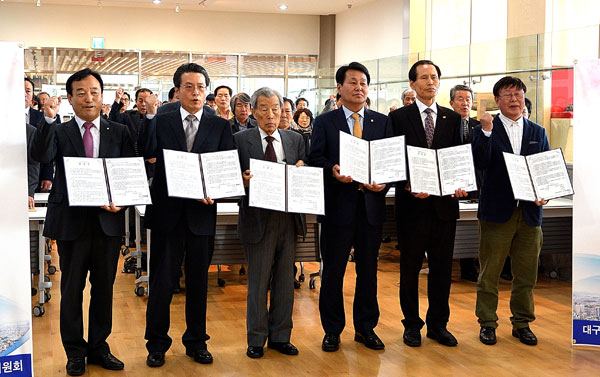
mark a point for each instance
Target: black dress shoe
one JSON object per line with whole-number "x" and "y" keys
{"x": 155, "y": 359}
{"x": 255, "y": 352}
{"x": 412, "y": 337}
{"x": 487, "y": 335}
{"x": 443, "y": 336}
{"x": 331, "y": 342}
{"x": 525, "y": 335}
{"x": 285, "y": 348}
{"x": 106, "y": 361}
{"x": 201, "y": 356}
{"x": 370, "y": 340}
{"x": 76, "y": 366}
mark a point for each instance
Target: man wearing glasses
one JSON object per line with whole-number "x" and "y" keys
{"x": 507, "y": 226}
{"x": 180, "y": 226}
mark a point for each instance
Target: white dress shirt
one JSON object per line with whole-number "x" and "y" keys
{"x": 184, "y": 113}
{"x": 350, "y": 120}
{"x": 94, "y": 130}
{"x": 277, "y": 144}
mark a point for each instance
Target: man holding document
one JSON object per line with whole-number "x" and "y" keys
{"x": 88, "y": 238}
{"x": 430, "y": 220}
{"x": 507, "y": 226}
{"x": 180, "y": 224}
{"x": 269, "y": 236}
{"x": 354, "y": 213}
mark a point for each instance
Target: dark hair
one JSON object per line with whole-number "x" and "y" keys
{"x": 80, "y": 75}
{"x": 171, "y": 93}
{"x": 509, "y": 82}
{"x": 223, "y": 87}
{"x": 340, "y": 75}
{"x": 307, "y": 112}
{"x": 127, "y": 94}
{"x": 301, "y": 99}
{"x": 285, "y": 99}
{"x": 457, "y": 88}
{"x": 368, "y": 101}
{"x": 528, "y": 105}
{"x": 31, "y": 82}
{"x": 242, "y": 97}
{"x": 210, "y": 97}
{"x": 412, "y": 73}
{"x": 35, "y": 100}
{"x": 189, "y": 67}
{"x": 338, "y": 96}
{"x": 40, "y": 93}
{"x": 141, "y": 90}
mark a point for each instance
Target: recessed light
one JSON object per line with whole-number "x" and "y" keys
{"x": 177, "y": 9}
{"x": 283, "y": 7}
{"x": 38, "y": 4}
{"x": 156, "y": 1}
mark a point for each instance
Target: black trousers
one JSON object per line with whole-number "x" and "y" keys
{"x": 437, "y": 238}
{"x": 165, "y": 269}
{"x": 337, "y": 242}
{"x": 97, "y": 253}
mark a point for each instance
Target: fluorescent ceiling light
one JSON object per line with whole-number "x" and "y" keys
{"x": 283, "y": 7}
{"x": 156, "y": 1}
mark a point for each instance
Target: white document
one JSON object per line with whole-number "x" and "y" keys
{"x": 388, "y": 160}
{"x": 127, "y": 181}
{"x": 457, "y": 170}
{"x": 518, "y": 174}
{"x": 354, "y": 158}
{"x": 549, "y": 174}
{"x": 222, "y": 174}
{"x": 305, "y": 190}
{"x": 423, "y": 169}
{"x": 182, "y": 171}
{"x": 86, "y": 182}
{"x": 267, "y": 186}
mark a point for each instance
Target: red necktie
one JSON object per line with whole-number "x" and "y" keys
{"x": 88, "y": 140}
{"x": 270, "y": 151}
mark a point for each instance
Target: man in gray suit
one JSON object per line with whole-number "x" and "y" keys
{"x": 269, "y": 237}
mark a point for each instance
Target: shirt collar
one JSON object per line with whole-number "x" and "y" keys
{"x": 348, "y": 113}
{"x": 275, "y": 134}
{"x": 509, "y": 122}
{"x": 27, "y": 109}
{"x": 184, "y": 113}
{"x": 422, "y": 106}
{"x": 80, "y": 122}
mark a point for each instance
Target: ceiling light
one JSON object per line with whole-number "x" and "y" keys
{"x": 283, "y": 7}
{"x": 177, "y": 9}
{"x": 156, "y": 1}
{"x": 38, "y": 4}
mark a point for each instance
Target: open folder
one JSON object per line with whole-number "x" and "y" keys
{"x": 286, "y": 188}
{"x": 538, "y": 176}
{"x": 95, "y": 182}
{"x": 212, "y": 175}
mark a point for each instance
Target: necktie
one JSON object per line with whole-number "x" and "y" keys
{"x": 465, "y": 130}
{"x": 88, "y": 140}
{"x": 429, "y": 128}
{"x": 356, "y": 130}
{"x": 190, "y": 130}
{"x": 270, "y": 151}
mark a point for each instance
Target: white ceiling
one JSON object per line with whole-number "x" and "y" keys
{"x": 312, "y": 7}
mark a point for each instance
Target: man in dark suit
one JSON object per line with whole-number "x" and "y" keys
{"x": 461, "y": 100}
{"x": 430, "y": 221}
{"x": 33, "y": 168}
{"x": 180, "y": 225}
{"x": 133, "y": 119}
{"x": 240, "y": 103}
{"x": 269, "y": 237}
{"x": 354, "y": 212}
{"x": 88, "y": 238}
{"x": 507, "y": 226}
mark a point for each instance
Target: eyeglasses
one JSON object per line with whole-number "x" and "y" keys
{"x": 191, "y": 87}
{"x": 518, "y": 96}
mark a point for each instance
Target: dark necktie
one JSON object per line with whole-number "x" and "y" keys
{"x": 88, "y": 140}
{"x": 429, "y": 128}
{"x": 465, "y": 130}
{"x": 270, "y": 151}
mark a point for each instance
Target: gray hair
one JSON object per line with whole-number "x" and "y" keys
{"x": 406, "y": 91}
{"x": 242, "y": 97}
{"x": 460, "y": 87}
{"x": 265, "y": 92}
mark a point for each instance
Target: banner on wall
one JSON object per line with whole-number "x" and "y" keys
{"x": 586, "y": 207}
{"x": 15, "y": 276}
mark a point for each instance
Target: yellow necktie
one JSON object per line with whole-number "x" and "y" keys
{"x": 356, "y": 131}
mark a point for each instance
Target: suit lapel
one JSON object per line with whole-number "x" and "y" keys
{"x": 527, "y": 130}
{"x": 255, "y": 145}
{"x": 368, "y": 125}
{"x": 204, "y": 128}
{"x": 105, "y": 138}
{"x": 441, "y": 125}
{"x": 499, "y": 128}
{"x": 72, "y": 131}
{"x": 288, "y": 147}
{"x": 342, "y": 123}
{"x": 177, "y": 127}
{"x": 417, "y": 123}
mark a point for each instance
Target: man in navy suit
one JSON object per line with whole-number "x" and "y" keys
{"x": 507, "y": 226}
{"x": 180, "y": 225}
{"x": 354, "y": 213}
{"x": 88, "y": 238}
{"x": 430, "y": 221}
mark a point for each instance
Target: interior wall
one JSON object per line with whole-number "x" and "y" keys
{"x": 159, "y": 29}
{"x": 371, "y": 31}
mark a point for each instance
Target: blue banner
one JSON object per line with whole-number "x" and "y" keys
{"x": 16, "y": 366}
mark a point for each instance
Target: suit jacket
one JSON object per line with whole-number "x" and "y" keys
{"x": 496, "y": 201}
{"x": 235, "y": 125}
{"x": 54, "y": 141}
{"x": 173, "y": 106}
{"x": 46, "y": 172}
{"x": 407, "y": 121}
{"x": 252, "y": 221}
{"x": 472, "y": 124}
{"x": 165, "y": 131}
{"x": 33, "y": 167}
{"x": 468, "y": 140}
{"x": 130, "y": 118}
{"x": 341, "y": 199}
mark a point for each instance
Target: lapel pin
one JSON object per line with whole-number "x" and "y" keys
{"x": 107, "y": 128}
{"x": 443, "y": 117}
{"x": 371, "y": 120}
